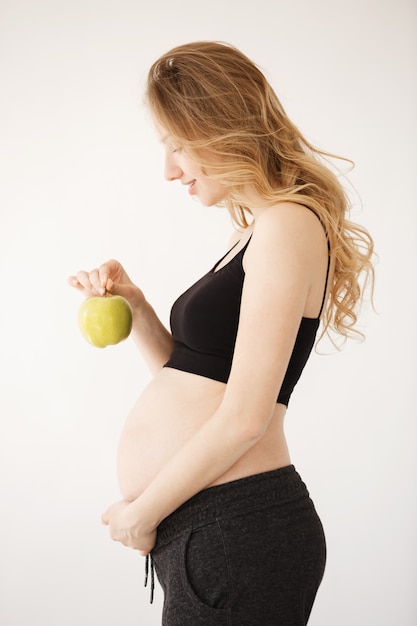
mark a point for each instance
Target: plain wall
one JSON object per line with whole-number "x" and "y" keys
{"x": 81, "y": 181}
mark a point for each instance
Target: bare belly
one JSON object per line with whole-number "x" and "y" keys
{"x": 167, "y": 413}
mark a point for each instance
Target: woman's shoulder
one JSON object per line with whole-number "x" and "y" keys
{"x": 288, "y": 221}
{"x": 286, "y": 235}
{"x": 285, "y": 213}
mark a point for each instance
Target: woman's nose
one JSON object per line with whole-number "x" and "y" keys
{"x": 171, "y": 170}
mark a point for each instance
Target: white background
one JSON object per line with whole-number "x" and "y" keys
{"x": 81, "y": 181}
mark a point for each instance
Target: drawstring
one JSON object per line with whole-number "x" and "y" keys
{"x": 148, "y": 560}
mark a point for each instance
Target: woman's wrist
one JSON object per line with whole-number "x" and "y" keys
{"x": 140, "y": 308}
{"x": 143, "y": 515}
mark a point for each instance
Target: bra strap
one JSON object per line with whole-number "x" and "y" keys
{"x": 327, "y": 278}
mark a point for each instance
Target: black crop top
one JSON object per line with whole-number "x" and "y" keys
{"x": 204, "y": 322}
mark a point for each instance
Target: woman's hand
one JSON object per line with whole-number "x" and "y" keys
{"x": 123, "y": 520}
{"x": 110, "y": 278}
{"x": 151, "y": 337}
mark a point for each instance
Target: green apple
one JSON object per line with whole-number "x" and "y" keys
{"x": 105, "y": 320}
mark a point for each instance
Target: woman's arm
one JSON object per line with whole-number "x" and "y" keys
{"x": 149, "y": 334}
{"x": 287, "y": 250}
{"x": 151, "y": 337}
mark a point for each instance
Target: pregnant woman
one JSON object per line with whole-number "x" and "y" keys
{"x": 210, "y": 495}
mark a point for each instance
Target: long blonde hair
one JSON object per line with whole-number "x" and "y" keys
{"x": 220, "y": 107}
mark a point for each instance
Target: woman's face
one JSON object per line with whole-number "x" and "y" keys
{"x": 179, "y": 166}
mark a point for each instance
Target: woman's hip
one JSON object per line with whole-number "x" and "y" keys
{"x": 242, "y": 551}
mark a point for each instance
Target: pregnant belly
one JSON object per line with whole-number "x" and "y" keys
{"x": 167, "y": 413}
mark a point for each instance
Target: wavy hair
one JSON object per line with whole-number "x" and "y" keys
{"x": 220, "y": 107}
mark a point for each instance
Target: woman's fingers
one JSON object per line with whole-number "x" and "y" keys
{"x": 110, "y": 277}
{"x": 74, "y": 282}
{"x": 96, "y": 282}
{"x": 88, "y": 283}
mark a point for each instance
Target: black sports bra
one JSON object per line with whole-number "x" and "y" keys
{"x": 204, "y": 322}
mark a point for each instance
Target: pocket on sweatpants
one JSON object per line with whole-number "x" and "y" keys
{"x": 205, "y": 566}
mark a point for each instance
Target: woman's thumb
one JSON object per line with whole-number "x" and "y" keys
{"x": 112, "y": 287}
{"x": 117, "y": 289}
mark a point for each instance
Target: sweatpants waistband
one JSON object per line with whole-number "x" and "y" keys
{"x": 231, "y": 498}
